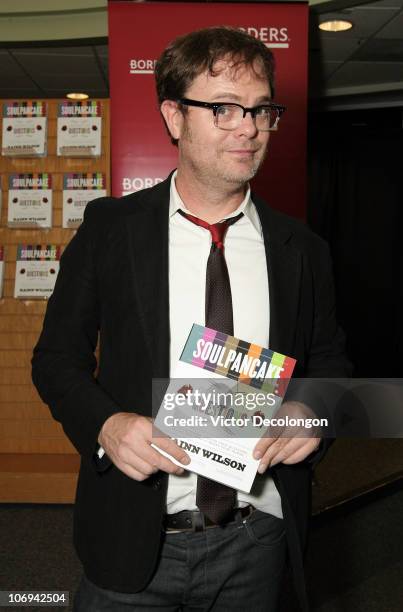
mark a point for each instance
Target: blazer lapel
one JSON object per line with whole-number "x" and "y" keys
{"x": 148, "y": 240}
{"x": 284, "y": 271}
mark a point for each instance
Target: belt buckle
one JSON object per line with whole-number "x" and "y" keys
{"x": 250, "y": 510}
{"x": 198, "y": 522}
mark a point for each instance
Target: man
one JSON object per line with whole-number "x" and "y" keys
{"x": 140, "y": 271}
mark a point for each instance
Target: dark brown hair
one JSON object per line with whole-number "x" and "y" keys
{"x": 192, "y": 54}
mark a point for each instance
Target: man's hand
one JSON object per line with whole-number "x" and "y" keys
{"x": 126, "y": 438}
{"x": 282, "y": 444}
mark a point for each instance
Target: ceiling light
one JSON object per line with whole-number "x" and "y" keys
{"x": 335, "y": 25}
{"x": 77, "y": 96}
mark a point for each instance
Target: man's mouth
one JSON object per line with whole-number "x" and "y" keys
{"x": 243, "y": 151}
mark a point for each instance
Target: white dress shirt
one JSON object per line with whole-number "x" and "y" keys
{"x": 189, "y": 248}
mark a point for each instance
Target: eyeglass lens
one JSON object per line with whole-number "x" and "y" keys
{"x": 229, "y": 117}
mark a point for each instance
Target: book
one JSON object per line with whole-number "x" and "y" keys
{"x": 36, "y": 270}
{"x": 79, "y": 188}
{"x": 24, "y": 128}
{"x": 79, "y": 128}
{"x": 219, "y": 402}
{"x": 30, "y": 200}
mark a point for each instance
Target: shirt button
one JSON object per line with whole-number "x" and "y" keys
{"x": 157, "y": 485}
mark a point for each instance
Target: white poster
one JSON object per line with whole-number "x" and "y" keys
{"x": 78, "y": 190}
{"x": 24, "y": 129}
{"x": 30, "y": 200}
{"x": 79, "y": 129}
{"x": 36, "y": 270}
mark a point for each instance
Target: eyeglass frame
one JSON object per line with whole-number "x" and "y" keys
{"x": 214, "y": 106}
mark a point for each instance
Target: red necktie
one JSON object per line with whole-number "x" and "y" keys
{"x": 216, "y": 500}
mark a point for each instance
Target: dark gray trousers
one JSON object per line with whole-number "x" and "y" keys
{"x": 237, "y": 567}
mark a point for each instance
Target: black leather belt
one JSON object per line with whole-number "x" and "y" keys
{"x": 194, "y": 520}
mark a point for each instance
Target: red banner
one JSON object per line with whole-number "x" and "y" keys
{"x": 142, "y": 153}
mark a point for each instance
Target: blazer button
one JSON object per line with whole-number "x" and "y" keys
{"x": 157, "y": 485}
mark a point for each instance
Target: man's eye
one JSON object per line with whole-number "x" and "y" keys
{"x": 224, "y": 110}
{"x": 263, "y": 111}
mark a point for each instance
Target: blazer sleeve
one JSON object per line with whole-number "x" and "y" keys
{"x": 63, "y": 362}
{"x": 328, "y": 366}
{"x": 327, "y": 356}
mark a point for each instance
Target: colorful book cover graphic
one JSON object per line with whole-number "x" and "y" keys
{"x": 84, "y": 180}
{"x": 39, "y": 252}
{"x": 80, "y": 108}
{"x": 247, "y": 363}
{"x": 29, "y": 108}
{"x": 35, "y": 180}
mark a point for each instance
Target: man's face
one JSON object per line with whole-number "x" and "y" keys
{"x": 220, "y": 156}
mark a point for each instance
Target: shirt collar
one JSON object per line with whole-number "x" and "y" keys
{"x": 247, "y": 206}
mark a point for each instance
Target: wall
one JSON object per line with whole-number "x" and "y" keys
{"x": 37, "y": 461}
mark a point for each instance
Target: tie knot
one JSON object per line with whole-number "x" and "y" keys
{"x": 217, "y": 230}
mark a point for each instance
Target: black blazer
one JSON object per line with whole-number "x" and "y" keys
{"x": 113, "y": 281}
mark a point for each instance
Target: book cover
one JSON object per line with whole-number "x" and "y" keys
{"x": 79, "y": 128}
{"x": 219, "y": 402}
{"x": 36, "y": 270}
{"x": 30, "y": 200}
{"x": 24, "y": 129}
{"x": 79, "y": 189}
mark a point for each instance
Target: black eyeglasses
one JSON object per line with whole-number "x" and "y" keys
{"x": 228, "y": 115}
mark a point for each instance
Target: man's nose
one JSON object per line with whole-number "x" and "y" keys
{"x": 248, "y": 125}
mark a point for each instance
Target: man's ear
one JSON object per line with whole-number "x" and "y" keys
{"x": 173, "y": 118}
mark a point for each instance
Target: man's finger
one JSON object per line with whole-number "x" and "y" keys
{"x": 262, "y": 446}
{"x": 301, "y": 453}
{"x": 165, "y": 464}
{"x": 138, "y": 461}
{"x": 130, "y": 471}
{"x": 279, "y": 451}
{"x": 148, "y": 460}
{"x": 289, "y": 448}
{"x": 269, "y": 451}
{"x": 171, "y": 447}
{"x": 300, "y": 447}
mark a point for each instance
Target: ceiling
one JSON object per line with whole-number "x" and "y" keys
{"x": 53, "y": 71}
{"x": 361, "y": 66}
{"x": 365, "y": 62}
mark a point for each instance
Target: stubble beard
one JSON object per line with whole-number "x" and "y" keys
{"x": 214, "y": 172}
{"x": 243, "y": 175}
